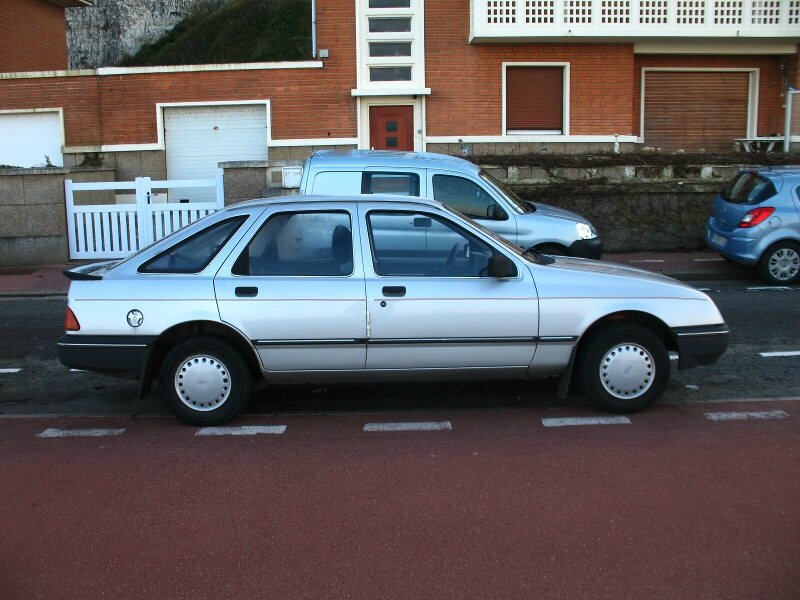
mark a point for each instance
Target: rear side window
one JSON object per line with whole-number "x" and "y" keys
{"x": 193, "y": 254}
{"x": 748, "y": 188}
{"x": 395, "y": 184}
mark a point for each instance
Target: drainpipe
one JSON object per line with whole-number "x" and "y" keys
{"x": 313, "y": 28}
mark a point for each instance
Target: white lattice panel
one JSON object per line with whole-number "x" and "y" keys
{"x": 794, "y": 12}
{"x": 766, "y": 12}
{"x": 577, "y": 11}
{"x": 501, "y": 11}
{"x": 615, "y": 11}
{"x": 691, "y": 12}
{"x": 654, "y": 12}
{"x": 540, "y": 11}
{"x": 728, "y": 12}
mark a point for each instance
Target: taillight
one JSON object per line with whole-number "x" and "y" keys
{"x": 755, "y": 217}
{"x": 71, "y": 321}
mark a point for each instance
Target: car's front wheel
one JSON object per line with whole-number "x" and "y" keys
{"x": 204, "y": 381}
{"x": 624, "y": 368}
{"x": 781, "y": 263}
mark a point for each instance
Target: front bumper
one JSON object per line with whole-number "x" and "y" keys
{"x": 698, "y": 346}
{"x": 592, "y": 248}
{"x": 122, "y": 356}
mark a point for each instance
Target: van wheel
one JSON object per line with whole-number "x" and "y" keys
{"x": 780, "y": 263}
{"x": 204, "y": 381}
{"x": 624, "y": 368}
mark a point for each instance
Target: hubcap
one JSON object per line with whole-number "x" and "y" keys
{"x": 784, "y": 264}
{"x": 202, "y": 383}
{"x": 627, "y": 371}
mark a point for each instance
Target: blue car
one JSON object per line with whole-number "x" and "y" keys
{"x": 755, "y": 221}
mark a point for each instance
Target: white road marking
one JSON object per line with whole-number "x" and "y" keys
{"x": 776, "y": 288}
{"x": 576, "y": 421}
{"x": 692, "y": 387}
{"x": 745, "y": 415}
{"x": 730, "y": 400}
{"x": 648, "y": 260}
{"x": 774, "y": 354}
{"x": 426, "y": 426}
{"x": 61, "y": 433}
{"x": 9, "y": 371}
{"x": 77, "y": 371}
{"x": 674, "y": 356}
{"x": 708, "y": 259}
{"x": 243, "y": 430}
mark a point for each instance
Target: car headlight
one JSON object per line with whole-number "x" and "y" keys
{"x": 585, "y": 231}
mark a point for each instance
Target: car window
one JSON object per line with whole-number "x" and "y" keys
{"x": 422, "y": 245}
{"x": 318, "y": 243}
{"x": 193, "y": 254}
{"x": 395, "y": 184}
{"x": 467, "y": 197}
{"x": 748, "y": 188}
{"x": 516, "y": 202}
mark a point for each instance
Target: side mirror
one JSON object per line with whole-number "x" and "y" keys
{"x": 500, "y": 267}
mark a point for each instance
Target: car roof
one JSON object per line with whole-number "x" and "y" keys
{"x": 349, "y": 199}
{"x": 777, "y": 171}
{"x": 387, "y": 158}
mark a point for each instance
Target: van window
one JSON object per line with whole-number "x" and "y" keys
{"x": 333, "y": 183}
{"x": 467, "y": 197}
{"x": 394, "y": 184}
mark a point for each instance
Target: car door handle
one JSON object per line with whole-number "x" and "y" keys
{"x": 246, "y": 292}
{"x": 394, "y": 290}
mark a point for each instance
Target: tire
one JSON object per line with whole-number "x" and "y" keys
{"x": 204, "y": 381}
{"x": 780, "y": 264}
{"x": 624, "y": 368}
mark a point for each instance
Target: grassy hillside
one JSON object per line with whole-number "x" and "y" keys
{"x": 234, "y": 31}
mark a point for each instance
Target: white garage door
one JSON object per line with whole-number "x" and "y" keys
{"x": 31, "y": 139}
{"x": 198, "y": 138}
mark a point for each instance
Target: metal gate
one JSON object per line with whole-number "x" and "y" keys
{"x": 118, "y": 230}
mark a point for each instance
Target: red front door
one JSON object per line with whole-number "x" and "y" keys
{"x": 391, "y": 127}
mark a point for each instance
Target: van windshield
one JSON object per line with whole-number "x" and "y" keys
{"x": 517, "y": 203}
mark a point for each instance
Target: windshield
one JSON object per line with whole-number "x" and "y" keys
{"x": 516, "y": 202}
{"x": 748, "y": 188}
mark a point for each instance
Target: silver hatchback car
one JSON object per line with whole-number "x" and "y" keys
{"x": 374, "y": 288}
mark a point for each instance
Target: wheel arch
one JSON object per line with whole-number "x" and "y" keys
{"x": 184, "y": 331}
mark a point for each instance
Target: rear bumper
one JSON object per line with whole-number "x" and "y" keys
{"x": 698, "y": 346}
{"x": 587, "y": 248}
{"x": 740, "y": 249}
{"x": 122, "y": 356}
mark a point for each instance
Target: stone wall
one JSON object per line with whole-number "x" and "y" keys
{"x": 33, "y": 221}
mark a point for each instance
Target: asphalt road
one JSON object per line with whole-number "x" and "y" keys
{"x": 503, "y": 492}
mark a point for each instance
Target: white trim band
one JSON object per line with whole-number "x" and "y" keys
{"x": 111, "y": 71}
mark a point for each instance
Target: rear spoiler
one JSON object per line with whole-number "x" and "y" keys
{"x": 90, "y": 272}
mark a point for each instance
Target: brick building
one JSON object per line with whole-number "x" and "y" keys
{"x": 443, "y": 75}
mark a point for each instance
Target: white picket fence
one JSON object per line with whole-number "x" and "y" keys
{"x": 118, "y": 230}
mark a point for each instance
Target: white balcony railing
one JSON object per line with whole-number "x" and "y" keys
{"x": 494, "y": 20}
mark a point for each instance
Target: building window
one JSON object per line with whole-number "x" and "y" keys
{"x": 389, "y": 24}
{"x": 535, "y": 99}
{"x": 389, "y": 3}
{"x": 390, "y": 73}
{"x": 389, "y": 49}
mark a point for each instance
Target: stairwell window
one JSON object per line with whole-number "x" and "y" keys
{"x": 536, "y": 99}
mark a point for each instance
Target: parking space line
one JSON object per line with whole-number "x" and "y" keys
{"x": 243, "y": 430}
{"x": 774, "y": 354}
{"x": 579, "y": 421}
{"x": 708, "y": 259}
{"x": 647, "y": 260}
{"x": 424, "y": 426}
{"x": 9, "y": 371}
{"x": 769, "y": 288}
{"x": 747, "y": 415}
{"x": 62, "y": 433}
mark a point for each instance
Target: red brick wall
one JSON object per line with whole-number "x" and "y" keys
{"x": 120, "y": 109}
{"x": 770, "y": 102}
{"x": 466, "y": 80}
{"x": 33, "y": 36}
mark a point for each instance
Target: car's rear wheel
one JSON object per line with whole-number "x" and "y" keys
{"x": 204, "y": 381}
{"x": 781, "y": 263}
{"x": 624, "y": 368}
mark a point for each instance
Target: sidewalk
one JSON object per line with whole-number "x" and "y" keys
{"x": 48, "y": 280}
